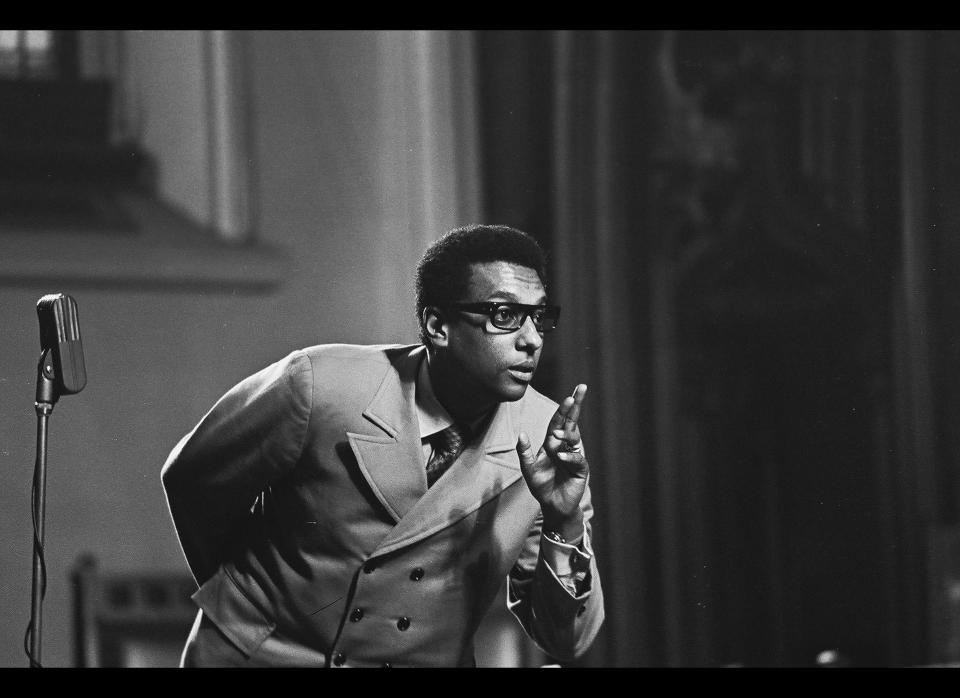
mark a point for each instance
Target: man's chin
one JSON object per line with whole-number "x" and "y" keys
{"x": 514, "y": 391}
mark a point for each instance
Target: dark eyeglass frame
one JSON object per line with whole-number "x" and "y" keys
{"x": 550, "y": 312}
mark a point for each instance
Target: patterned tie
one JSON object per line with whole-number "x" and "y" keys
{"x": 447, "y": 445}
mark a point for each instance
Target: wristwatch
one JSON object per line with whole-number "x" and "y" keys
{"x": 555, "y": 537}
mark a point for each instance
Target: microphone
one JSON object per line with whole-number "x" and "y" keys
{"x": 60, "y": 371}
{"x": 61, "y": 349}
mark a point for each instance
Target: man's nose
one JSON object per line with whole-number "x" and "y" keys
{"x": 527, "y": 335}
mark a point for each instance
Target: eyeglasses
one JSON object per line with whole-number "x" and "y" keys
{"x": 511, "y": 316}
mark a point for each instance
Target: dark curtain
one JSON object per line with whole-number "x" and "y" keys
{"x": 742, "y": 229}
{"x": 566, "y": 135}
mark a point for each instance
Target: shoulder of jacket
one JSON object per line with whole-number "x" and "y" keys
{"x": 377, "y": 353}
{"x": 535, "y": 408}
{"x": 357, "y": 369}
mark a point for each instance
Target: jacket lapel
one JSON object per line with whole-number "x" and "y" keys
{"x": 390, "y": 459}
{"x": 481, "y": 473}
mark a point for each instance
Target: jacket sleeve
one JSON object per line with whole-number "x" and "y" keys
{"x": 563, "y": 624}
{"x": 252, "y": 436}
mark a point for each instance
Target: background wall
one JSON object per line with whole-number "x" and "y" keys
{"x": 337, "y": 189}
{"x": 166, "y": 111}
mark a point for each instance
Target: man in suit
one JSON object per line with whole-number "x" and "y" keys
{"x": 360, "y": 506}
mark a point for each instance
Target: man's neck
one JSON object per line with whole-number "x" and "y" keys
{"x": 462, "y": 408}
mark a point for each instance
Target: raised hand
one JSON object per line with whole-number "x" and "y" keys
{"x": 557, "y": 474}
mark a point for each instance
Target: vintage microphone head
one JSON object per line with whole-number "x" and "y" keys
{"x": 60, "y": 333}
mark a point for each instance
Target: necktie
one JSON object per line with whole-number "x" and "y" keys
{"x": 447, "y": 445}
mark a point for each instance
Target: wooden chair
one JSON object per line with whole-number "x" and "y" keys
{"x": 129, "y": 620}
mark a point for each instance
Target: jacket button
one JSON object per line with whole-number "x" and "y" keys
{"x": 403, "y": 623}
{"x": 356, "y": 615}
{"x": 339, "y": 658}
{"x": 417, "y": 574}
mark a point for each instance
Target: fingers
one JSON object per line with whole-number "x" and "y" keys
{"x": 574, "y": 412}
{"x": 568, "y": 411}
{"x": 573, "y": 461}
{"x": 535, "y": 465}
{"x": 556, "y": 421}
{"x": 567, "y": 432}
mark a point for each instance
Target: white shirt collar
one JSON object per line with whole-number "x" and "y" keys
{"x": 433, "y": 417}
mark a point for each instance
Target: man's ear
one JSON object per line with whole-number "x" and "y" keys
{"x": 435, "y": 326}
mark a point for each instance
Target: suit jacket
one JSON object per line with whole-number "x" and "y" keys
{"x": 301, "y": 504}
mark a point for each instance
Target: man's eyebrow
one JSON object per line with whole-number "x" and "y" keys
{"x": 511, "y": 298}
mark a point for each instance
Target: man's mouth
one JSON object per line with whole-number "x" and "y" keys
{"x": 522, "y": 371}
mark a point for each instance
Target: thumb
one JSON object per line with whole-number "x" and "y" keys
{"x": 525, "y": 451}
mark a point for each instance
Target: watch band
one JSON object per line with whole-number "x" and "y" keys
{"x": 555, "y": 537}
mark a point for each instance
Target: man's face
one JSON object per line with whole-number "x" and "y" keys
{"x": 490, "y": 365}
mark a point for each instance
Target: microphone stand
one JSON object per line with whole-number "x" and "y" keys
{"x": 47, "y": 396}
